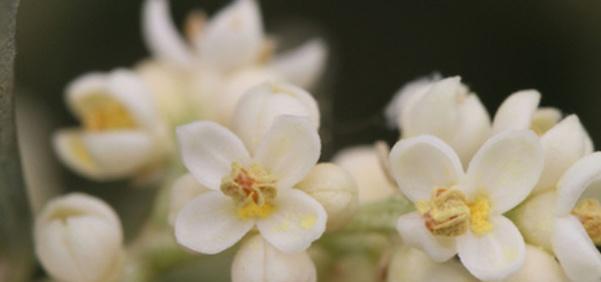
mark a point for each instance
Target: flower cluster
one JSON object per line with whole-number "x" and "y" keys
{"x": 228, "y": 135}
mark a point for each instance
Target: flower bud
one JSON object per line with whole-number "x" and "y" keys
{"x": 335, "y": 189}
{"x": 363, "y": 164}
{"x": 78, "y": 238}
{"x": 539, "y": 266}
{"x": 258, "y": 261}
{"x": 535, "y": 219}
{"x": 413, "y": 265}
{"x": 184, "y": 189}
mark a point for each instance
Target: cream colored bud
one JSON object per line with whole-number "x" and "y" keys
{"x": 184, "y": 189}
{"x": 258, "y": 261}
{"x": 535, "y": 219}
{"x": 539, "y": 266}
{"x": 335, "y": 189}
{"x": 363, "y": 164}
{"x": 413, "y": 265}
{"x": 78, "y": 238}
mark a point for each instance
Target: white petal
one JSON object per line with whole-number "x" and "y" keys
{"x": 208, "y": 151}
{"x": 563, "y": 145}
{"x": 258, "y": 261}
{"x": 421, "y": 164}
{"x": 496, "y": 255}
{"x": 413, "y": 230}
{"x": 210, "y": 224}
{"x": 544, "y": 119}
{"x": 289, "y": 149}
{"x": 405, "y": 98}
{"x": 302, "y": 65}
{"x": 161, "y": 36}
{"x": 472, "y": 130}
{"x": 297, "y": 221}
{"x": 104, "y": 156}
{"x": 517, "y": 111}
{"x": 233, "y": 37}
{"x": 575, "y": 251}
{"x": 539, "y": 266}
{"x": 261, "y": 105}
{"x": 535, "y": 218}
{"x": 580, "y": 180}
{"x": 413, "y": 265}
{"x": 183, "y": 190}
{"x": 506, "y": 168}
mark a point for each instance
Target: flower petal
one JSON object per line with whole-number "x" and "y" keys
{"x": 495, "y": 255}
{"x": 233, "y": 37}
{"x": 297, "y": 221}
{"x": 406, "y": 97}
{"x": 581, "y": 179}
{"x": 289, "y": 149}
{"x": 208, "y": 151}
{"x": 183, "y": 190}
{"x": 261, "y": 105}
{"x": 302, "y": 65}
{"x": 544, "y": 119}
{"x": 209, "y": 224}
{"x": 575, "y": 251}
{"x": 517, "y": 111}
{"x": 161, "y": 36}
{"x": 413, "y": 230}
{"x": 506, "y": 168}
{"x": 563, "y": 145}
{"x": 472, "y": 129}
{"x": 423, "y": 163}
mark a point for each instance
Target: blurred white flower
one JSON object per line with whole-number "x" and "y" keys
{"x": 121, "y": 134}
{"x": 412, "y": 265}
{"x": 578, "y": 224}
{"x": 335, "y": 189}
{"x": 78, "y": 238}
{"x": 564, "y": 142}
{"x": 250, "y": 190}
{"x": 258, "y": 261}
{"x": 539, "y": 266}
{"x": 363, "y": 163}
{"x": 444, "y": 108}
{"x": 463, "y": 212}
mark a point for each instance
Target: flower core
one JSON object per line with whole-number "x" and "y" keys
{"x": 252, "y": 188}
{"x": 101, "y": 112}
{"x": 588, "y": 212}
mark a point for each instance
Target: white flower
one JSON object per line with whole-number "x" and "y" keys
{"x": 363, "y": 163}
{"x": 121, "y": 132}
{"x": 335, "y": 189}
{"x": 250, "y": 190}
{"x": 78, "y": 238}
{"x": 262, "y": 104}
{"x": 412, "y": 265}
{"x": 443, "y": 108}
{"x": 578, "y": 224}
{"x": 258, "y": 261}
{"x": 463, "y": 212}
{"x": 564, "y": 142}
{"x": 539, "y": 266}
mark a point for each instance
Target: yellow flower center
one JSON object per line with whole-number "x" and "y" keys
{"x": 448, "y": 213}
{"x": 101, "y": 112}
{"x": 588, "y": 212}
{"x": 252, "y": 188}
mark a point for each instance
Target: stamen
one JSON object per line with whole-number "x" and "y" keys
{"x": 252, "y": 188}
{"x": 447, "y": 213}
{"x": 101, "y": 113}
{"x": 479, "y": 216}
{"x": 588, "y": 212}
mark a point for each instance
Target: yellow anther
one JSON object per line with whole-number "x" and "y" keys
{"x": 252, "y": 188}
{"x": 479, "y": 216}
{"x": 100, "y": 112}
{"x": 588, "y": 212}
{"x": 447, "y": 213}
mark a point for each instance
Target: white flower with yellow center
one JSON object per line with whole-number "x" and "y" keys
{"x": 461, "y": 213}
{"x": 250, "y": 189}
{"x": 444, "y": 108}
{"x": 578, "y": 223}
{"x": 120, "y": 135}
{"x": 564, "y": 141}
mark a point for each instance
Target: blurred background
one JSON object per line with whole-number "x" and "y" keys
{"x": 498, "y": 47}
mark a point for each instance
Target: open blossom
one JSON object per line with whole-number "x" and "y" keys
{"x": 78, "y": 238}
{"x": 224, "y": 56}
{"x": 258, "y": 261}
{"x": 121, "y": 134}
{"x": 250, "y": 189}
{"x": 578, "y": 223}
{"x": 444, "y": 108}
{"x": 564, "y": 141}
{"x": 462, "y": 213}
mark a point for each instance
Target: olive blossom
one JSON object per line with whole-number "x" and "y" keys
{"x": 121, "y": 134}
{"x": 250, "y": 189}
{"x": 462, "y": 213}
